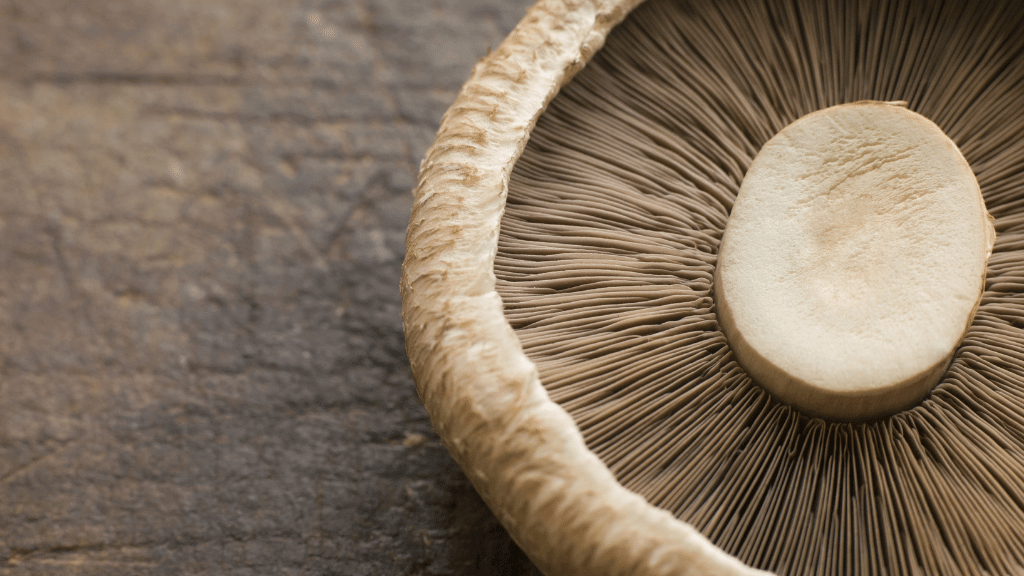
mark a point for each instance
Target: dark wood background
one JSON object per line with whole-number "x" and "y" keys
{"x": 202, "y": 217}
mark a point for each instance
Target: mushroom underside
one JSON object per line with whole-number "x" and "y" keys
{"x": 607, "y": 254}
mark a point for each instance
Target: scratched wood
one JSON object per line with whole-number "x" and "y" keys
{"x": 202, "y": 215}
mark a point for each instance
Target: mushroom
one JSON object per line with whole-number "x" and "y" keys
{"x": 559, "y": 309}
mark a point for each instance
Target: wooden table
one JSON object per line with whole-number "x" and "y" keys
{"x": 202, "y": 217}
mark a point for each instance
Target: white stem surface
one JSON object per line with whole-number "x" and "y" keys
{"x": 853, "y": 261}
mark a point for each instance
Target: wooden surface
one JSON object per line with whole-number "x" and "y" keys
{"x": 202, "y": 216}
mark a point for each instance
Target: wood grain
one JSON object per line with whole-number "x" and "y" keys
{"x": 202, "y": 220}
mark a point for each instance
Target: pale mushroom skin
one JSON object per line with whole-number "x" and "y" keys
{"x": 853, "y": 261}
{"x": 720, "y": 456}
{"x": 521, "y": 450}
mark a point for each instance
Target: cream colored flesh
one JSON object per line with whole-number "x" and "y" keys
{"x": 853, "y": 260}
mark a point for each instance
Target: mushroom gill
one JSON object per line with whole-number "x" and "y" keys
{"x": 607, "y": 254}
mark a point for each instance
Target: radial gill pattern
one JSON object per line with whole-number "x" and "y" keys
{"x": 608, "y": 248}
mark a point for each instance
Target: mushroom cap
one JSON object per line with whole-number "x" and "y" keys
{"x": 853, "y": 260}
{"x": 524, "y": 453}
{"x": 521, "y": 451}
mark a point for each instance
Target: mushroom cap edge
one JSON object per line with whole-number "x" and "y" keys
{"x": 522, "y": 452}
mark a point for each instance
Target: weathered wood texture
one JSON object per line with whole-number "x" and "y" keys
{"x": 202, "y": 216}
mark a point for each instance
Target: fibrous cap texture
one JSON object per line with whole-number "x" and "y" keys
{"x": 522, "y": 451}
{"x": 853, "y": 260}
